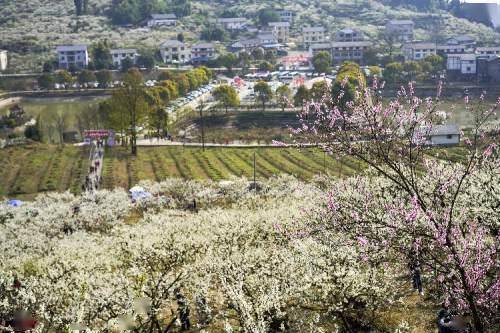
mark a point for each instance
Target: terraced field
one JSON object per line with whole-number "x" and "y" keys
{"x": 31, "y": 169}
{"x": 157, "y": 163}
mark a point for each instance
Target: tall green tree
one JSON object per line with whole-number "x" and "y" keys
{"x": 267, "y": 15}
{"x": 393, "y": 72}
{"x": 412, "y": 69}
{"x": 263, "y": 93}
{"x": 86, "y": 77}
{"x": 322, "y": 62}
{"x": 101, "y": 55}
{"x": 65, "y": 78}
{"x": 228, "y": 60}
{"x": 146, "y": 60}
{"x": 104, "y": 78}
{"x": 283, "y": 96}
{"x": 129, "y": 106}
{"x": 301, "y": 96}
{"x": 226, "y": 96}
{"x": 350, "y": 78}
{"x": 46, "y": 81}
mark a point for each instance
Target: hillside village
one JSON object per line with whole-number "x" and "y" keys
{"x": 289, "y": 40}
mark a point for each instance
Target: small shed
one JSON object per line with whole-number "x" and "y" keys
{"x": 438, "y": 135}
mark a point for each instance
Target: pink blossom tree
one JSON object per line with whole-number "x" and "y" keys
{"x": 414, "y": 201}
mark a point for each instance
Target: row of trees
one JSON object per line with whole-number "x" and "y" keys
{"x": 430, "y": 67}
{"x": 66, "y": 79}
{"x": 134, "y": 106}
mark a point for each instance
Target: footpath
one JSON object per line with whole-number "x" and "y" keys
{"x": 94, "y": 178}
{"x": 154, "y": 142}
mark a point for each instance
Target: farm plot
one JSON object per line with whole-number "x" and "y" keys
{"x": 158, "y": 163}
{"x": 39, "y": 168}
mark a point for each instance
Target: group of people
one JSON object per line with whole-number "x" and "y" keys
{"x": 94, "y": 179}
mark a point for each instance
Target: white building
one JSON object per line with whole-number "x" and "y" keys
{"x": 202, "y": 52}
{"x": 280, "y": 30}
{"x": 402, "y": 30}
{"x": 491, "y": 52}
{"x": 3, "y": 60}
{"x": 267, "y": 39}
{"x": 313, "y": 35}
{"x": 157, "y": 20}
{"x": 247, "y": 45}
{"x": 286, "y": 15}
{"x": 118, "y": 55}
{"x": 438, "y": 135}
{"x": 232, "y": 23}
{"x": 173, "y": 51}
{"x": 319, "y": 47}
{"x": 349, "y": 35}
{"x": 76, "y": 56}
{"x": 451, "y": 49}
{"x": 468, "y": 41}
{"x": 418, "y": 51}
{"x": 353, "y": 51}
{"x": 461, "y": 64}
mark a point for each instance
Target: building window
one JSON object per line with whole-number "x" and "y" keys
{"x": 449, "y": 136}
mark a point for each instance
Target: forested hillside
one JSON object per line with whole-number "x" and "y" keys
{"x": 31, "y": 29}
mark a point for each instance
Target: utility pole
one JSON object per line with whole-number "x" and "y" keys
{"x": 324, "y": 161}
{"x": 202, "y": 105}
{"x": 254, "y": 180}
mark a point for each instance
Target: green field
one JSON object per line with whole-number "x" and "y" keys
{"x": 158, "y": 163}
{"x": 39, "y": 168}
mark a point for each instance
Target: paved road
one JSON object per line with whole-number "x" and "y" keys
{"x": 161, "y": 142}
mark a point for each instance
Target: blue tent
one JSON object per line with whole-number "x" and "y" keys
{"x": 15, "y": 203}
{"x": 139, "y": 193}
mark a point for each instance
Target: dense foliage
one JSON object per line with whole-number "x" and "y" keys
{"x": 136, "y": 11}
{"x": 87, "y": 264}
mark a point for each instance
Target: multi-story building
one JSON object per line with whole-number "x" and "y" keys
{"x": 342, "y": 51}
{"x": 157, "y": 20}
{"x": 247, "y": 45}
{"x": 118, "y": 55}
{"x": 490, "y": 52}
{"x": 232, "y": 23}
{"x": 319, "y": 47}
{"x": 349, "y": 35}
{"x": 202, "y": 52}
{"x": 174, "y": 51}
{"x": 286, "y": 15}
{"x": 267, "y": 39}
{"x": 446, "y": 49}
{"x": 467, "y": 41}
{"x": 73, "y": 56}
{"x": 349, "y": 51}
{"x": 280, "y": 30}
{"x": 488, "y": 69}
{"x": 3, "y": 60}
{"x": 419, "y": 50}
{"x": 401, "y": 30}
{"x": 461, "y": 66}
{"x": 313, "y": 35}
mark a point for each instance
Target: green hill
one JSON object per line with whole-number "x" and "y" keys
{"x": 31, "y": 29}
